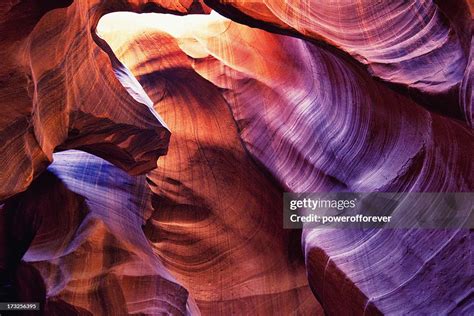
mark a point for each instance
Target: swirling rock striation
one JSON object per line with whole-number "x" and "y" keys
{"x": 61, "y": 87}
{"x": 80, "y": 239}
{"x": 253, "y": 114}
{"x": 422, "y": 47}
{"x": 319, "y": 122}
{"x": 58, "y": 90}
{"x": 216, "y": 219}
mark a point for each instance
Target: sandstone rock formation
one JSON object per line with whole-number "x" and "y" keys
{"x": 317, "y": 116}
{"x": 244, "y": 264}
{"x": 59, "y": 91}
{"x": 340, "y": 96}
{"x": 423, "y": 47}
{"x": 81, "y": 222}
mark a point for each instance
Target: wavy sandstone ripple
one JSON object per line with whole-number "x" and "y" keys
{"x": 252, "y": 114}
{"x": 422, "y": 47}
{"x": 58, "y": 90}
{"x": 318, "y": 121}
{"x": 79, "y": 236}
{"x": 216, "y": 222}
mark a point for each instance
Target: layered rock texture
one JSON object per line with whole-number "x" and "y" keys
{"x": 195, "y": 125}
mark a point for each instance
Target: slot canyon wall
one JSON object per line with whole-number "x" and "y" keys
{"x": 146, "y": 145}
